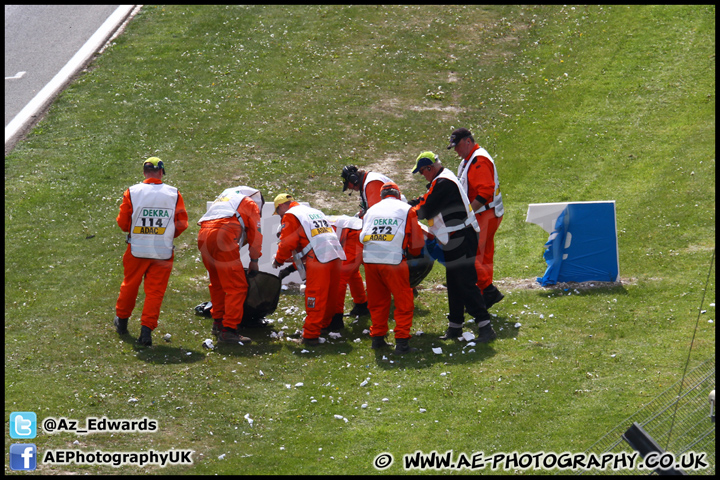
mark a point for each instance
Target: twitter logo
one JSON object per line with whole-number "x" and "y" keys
{"x": 23, "y": 425}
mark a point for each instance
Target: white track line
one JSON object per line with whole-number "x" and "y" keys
{"x": 49, "y": 91}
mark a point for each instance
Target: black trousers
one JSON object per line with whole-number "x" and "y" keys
{"x": 461, "y": 276}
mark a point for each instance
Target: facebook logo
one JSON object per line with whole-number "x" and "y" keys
{"x": 23, "y": 425}
{"x": 23, "y": 456}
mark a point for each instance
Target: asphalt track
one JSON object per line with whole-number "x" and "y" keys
{"x": 46, "y": 46}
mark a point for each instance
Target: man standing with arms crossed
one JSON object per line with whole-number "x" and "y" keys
{"x": 231, "y": 221}
{"x": 307, "y": 232}
{"x": 478, "y": 174}
{"x": 153, "y": 214}
{"x": 451, "y": 221}
{"x": 390, "y": 228}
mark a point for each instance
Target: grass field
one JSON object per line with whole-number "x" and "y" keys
{"x": 574, "y": 103}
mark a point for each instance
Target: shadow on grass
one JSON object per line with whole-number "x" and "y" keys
{"x": 164, "y": 354}
{"x": 453, "y": 352}
{"x": 584, "y": 288}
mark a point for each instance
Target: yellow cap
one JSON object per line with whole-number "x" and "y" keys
{"x": 154, "y": 163}
{"x": 280, "y": 199}
{"x": 423, "y": 160}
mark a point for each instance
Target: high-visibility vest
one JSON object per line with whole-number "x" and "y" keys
{"x": 321, "y": 236}
{"x": 227, "y": 203}
{"x": 153, "y": 220}
{"x": 344, "y": 222}
{"x": 371, "y": 177}
{"x": 224, "y": 206}
{"x": 496, "y": 201}
{"x": 383, "y": 231}
{"x": 437, "y": 224}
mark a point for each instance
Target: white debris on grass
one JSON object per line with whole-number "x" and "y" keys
{"x": 437, "y": 350}
{"x": 335, "y": 335}
{"x": 207, "y": 343}
{"x": 299, "y": 384}
{"x": 467, "y": 336}
{"x": 365, "y": 382}
{"x": 357, "y": 340}
{"x": 518, "y": 325}
{"x": 419, "y": 333}
{"x": 132, "y": 400}
{"x": 250, "y": 420}
{"x": 167, "y": 337}
{"x": 422, "y": 410}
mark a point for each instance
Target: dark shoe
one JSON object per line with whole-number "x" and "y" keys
{"x": 402, "y": 346}
{"x": 486, "y": 334}
{"x": 360, "y": 310}
{"x": 145, "y": 338}
{"x": 307, "y": 341}
{"x": 230, "y": 335}
{"x": 492, "y": 295}
{"x": 217, "y": 327}
{"x": 379, "y": 342}
{"x": 336, "y": 324}
{"x": 120, "y": 325}
{"x": 452, "y": 332}
{"x": 254, "y": 323}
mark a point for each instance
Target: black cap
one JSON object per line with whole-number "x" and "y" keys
{"x": 457, "y": 135}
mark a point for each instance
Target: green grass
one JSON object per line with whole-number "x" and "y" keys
{"x": 574, "y": 104}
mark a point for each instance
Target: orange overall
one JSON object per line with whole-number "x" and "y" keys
{"x": 155, "y": 273}
{"x": 350, "y": 271}
{"x": 385, "y": 280}
{"x": 481, "y": 183}
{"x": 322, "y": 279}
{"x": 218, "y": 242}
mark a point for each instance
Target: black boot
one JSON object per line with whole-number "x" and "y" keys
{"x": 379, "y": 342}
{"x": 360, "y": 310}
{"x": 145, "y": 338}
{"x": 486, "y": 334}
{"x": 336, "y": 324}
{"x": 452, "y": 332}
{"x": 120, "y": 325}
{"x": 492, "y": 295}
{"x": 217, "y": 327}
{"x": 402, "y": 346}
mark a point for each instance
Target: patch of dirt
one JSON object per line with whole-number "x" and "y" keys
{"x": 394, "y": 166}
{"x": 532, "y": 284}
{"x": 511, "y": 284}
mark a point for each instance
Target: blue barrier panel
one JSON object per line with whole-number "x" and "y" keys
{"x": 583, "y": 242}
